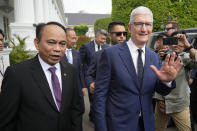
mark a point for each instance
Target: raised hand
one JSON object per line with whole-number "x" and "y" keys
{"x": 169, "y": 69}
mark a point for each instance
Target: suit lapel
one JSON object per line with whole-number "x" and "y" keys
{"x": 65, "y": 73}
{"x": 64, "y": 58}
{"x": 40, "y": 78}
{"x": 92, "y": 47}
{"x": 128, "y": 62}
{"x": 148, "y": 62}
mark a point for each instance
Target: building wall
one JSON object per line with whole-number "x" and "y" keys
{"x": 27, "y": 13}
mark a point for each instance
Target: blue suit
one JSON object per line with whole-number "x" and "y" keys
{"x": 81, "y": 80}
{"x": 87, "y": 52}
{"x": 91, "y": 73}
{"x": 118, "y": 95}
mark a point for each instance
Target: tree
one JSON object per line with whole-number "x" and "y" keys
{"x": 102, "y": 23}
{"x": 184, "y": 12}
{"x": 81, "y": 40}
{"x": 81, "y": 29}
{"x": 18, "y": 52}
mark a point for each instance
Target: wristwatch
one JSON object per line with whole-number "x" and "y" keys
{"x": 189, "y": 48}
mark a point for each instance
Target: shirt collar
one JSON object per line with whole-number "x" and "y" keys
{"x": 134, "y": 47}
{"x": 46, "y": 66}
{"x": 69, "y": 49}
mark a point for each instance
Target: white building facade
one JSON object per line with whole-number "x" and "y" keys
{"x": 25, "y": 14}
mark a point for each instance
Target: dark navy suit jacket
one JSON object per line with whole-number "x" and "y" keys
{"x": 91, "y": 73}
{"x": 118, "y": 95}
{"x": 87, "y": 51}
{"x": 77, "y": 64}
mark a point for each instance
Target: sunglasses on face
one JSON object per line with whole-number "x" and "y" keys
{"x": 120, "y": 33}
{"x": 167, "y": 29}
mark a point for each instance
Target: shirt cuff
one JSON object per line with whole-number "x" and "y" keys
{"x": 168, "y": 84}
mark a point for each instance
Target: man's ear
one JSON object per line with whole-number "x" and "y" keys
{"x": 36, "y": 43}
{"x": 129, "y": 28}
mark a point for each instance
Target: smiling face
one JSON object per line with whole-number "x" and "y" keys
{"x": 52, "y": 45}
{"x": 141, "y": 34}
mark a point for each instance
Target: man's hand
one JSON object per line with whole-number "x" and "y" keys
{"x": 191, "y": 81}
{"x": 183, "y": 39}
{"x": 170, "y": 68}
{"x": 84, "y": 90}
{"x": 92, "y": 86}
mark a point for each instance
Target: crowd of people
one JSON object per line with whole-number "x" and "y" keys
{"x": 123, "y": 80}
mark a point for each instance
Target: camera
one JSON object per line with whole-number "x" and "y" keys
{"x": 170, "y": 41}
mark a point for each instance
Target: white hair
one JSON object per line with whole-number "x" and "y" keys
{"x": 140, "y": 10}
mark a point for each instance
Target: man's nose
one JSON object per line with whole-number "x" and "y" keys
{"x": 57, "y": 47}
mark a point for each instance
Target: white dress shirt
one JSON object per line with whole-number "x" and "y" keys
{"x": 134, "y": 53}
{"x": 96, "y": 46}
{"x": 47, "y": 73}
{"x": 69, "y": 55}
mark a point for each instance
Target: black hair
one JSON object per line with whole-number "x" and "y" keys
{"x": 174, "y": 24}
{"x": 114, "y": 23}
{"x": 1, "y": 32}
{"x": 40, "y": 27}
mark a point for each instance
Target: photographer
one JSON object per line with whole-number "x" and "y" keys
{"x": 176, "y": 104}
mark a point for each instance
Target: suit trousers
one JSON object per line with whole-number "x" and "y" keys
{"x": 181, "y": 119}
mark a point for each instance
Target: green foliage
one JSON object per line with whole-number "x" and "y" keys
{"x": 81, "y": 29}
{"x": 102, "y": 23}
{"x": 18, "y": 52}
{"x": 184, "y": 12}
{"x": 81, "y": 40}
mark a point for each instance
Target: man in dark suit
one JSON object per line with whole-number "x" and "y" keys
{"x": 72, "y": 56}
{"x": 41, "y": 94}
{"x": 117, "y": 34}
{"x": 87, "y": 51}
{"x": 128, "y": 75}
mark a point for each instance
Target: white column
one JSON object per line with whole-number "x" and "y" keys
{"x": 46, "y": 10}
{"x": 39, "y": 11}
{"x": 24, "y": 11}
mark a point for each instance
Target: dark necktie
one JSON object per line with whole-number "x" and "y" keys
{"x": 140, "y": 68}
{"x": 99, "y": 47}
{"x": 56, "y": 86}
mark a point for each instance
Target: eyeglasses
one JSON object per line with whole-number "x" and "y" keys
{"x": 140, "y": 24}
{"x": 167, "y": 29}
{"x": 120, "y": 33}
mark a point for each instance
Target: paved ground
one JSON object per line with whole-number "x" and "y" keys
{"x": 89, "y": 126}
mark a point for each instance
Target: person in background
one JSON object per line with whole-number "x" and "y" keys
{"x": 87, "y": 51}
{"x": 171, "y": 27}
{"x": 117, "y": 34}
{"x": 127, "y": 77}
{"x": 72, "y": 56}
{"x": 41, "y": 94}
{"x": 1, "y": 57}
{"x": 175, "y": 105}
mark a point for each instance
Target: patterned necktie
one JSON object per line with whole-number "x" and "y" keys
{"x": 56, "y": 86}
{"x": 69, "y": 55}
{"x": 140, "y": 68}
